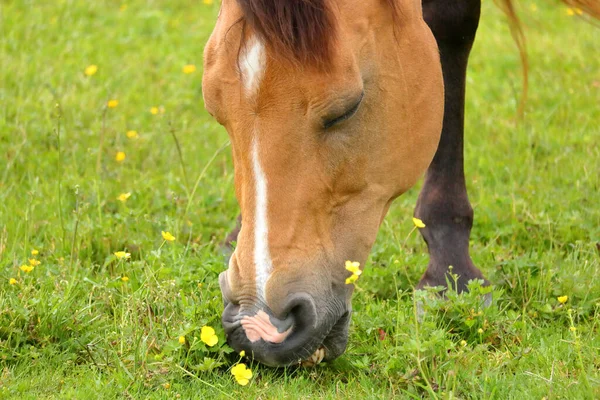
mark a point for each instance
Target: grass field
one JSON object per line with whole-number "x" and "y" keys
{"x": 83, "y": 324}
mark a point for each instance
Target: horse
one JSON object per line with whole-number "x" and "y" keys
{"x": 334, "y": 108}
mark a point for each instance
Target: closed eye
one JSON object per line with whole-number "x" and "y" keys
{"x": 349, "y": 113}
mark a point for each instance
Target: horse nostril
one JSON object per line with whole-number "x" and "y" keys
{"x": 302, "y": 308}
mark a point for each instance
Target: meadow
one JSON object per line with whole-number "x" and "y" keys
{"x": 105, "y": 144}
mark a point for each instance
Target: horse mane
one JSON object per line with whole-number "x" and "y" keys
{"x": 304, "y": 31}
{"x": 299, "y": 30}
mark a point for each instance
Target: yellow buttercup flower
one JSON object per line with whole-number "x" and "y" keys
{"x": 125, "y": 278}
{"x": 208, "y": 2}
{"x": 153, "y": 110}
{"x": 353, "y": 267}
{"x": 418, "y": 223}
{"x": 241, "y": 373}
{"x": 120, "y": 156}
{"x": 34, "y": 252}
{"x": 208, "y": 336}
{"x": 190, "y": 68}
{"x": 463, "y": 343}
{"x": 562, "y": 299}
{"x": 90, "y": 70}
{"x": 12, "y": 281}
{"x": 132, "y": 134}
{"x": 122, "y": 254}
{"x": 480, "y": 331}
{"x": 243, "y": 353}
{"x": 26, "y": 268}
{"x": 181, "y": 339}
{"x": 167, "y": 236}
{"x": 112, "y": 103}
{"x": 167, "y": 385}
{"x": 123, "y": 197}
{"x": 33, "y": 262}
{"x": 572, "y": 329}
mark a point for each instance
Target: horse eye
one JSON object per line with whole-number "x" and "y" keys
{"x": 346, "y": 115}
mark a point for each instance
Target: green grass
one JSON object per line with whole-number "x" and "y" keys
{"x": 73, "y": 329}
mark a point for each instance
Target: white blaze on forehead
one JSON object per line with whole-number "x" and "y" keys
{"x": 262, "y": 257}
{"x": 252, "y": 64}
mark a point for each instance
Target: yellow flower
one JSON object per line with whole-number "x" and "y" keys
{"x": 120, "y": 156}
{"x": 353, "y": 267}
{"x": 90, "y": 70}
{"x": 480, "y": 331}
{"x": 26, "y": 268}
{"x": 208, "y": 2}
{"x": 418, "y": 223}
{"x": 572, "y": 329}
{"x": 33, "y": 262}
{"x": 574, "y": 11}
{"x": 34, "y": 252}
{"x": 123, "y": 197}
{"x": 208, "y": 336}
{"x": 181, "y": 339}
{"x": 243, "y": 353}
{"x": 132, "y": 134}
{"x": 562, "y": 299}
{"x": 12, "y": 281}
{"x": 112, "y": 103}
{"x": 125, "y": 278}
{"x": 167, "y": 385}
{"x": 241, "y": 373}
{"x": 463, "y": 343}
{"x": 350, "y": 280}
{"x": 153, "y": 110}
{"x": 190, "y": 68}
{"x": 122, "y": 254}
{"x": 167, "y": 236}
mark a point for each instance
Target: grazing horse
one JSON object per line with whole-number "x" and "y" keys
{"x": 334, "y": 108}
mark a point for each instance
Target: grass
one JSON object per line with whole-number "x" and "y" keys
{"x": 73, "y": 328}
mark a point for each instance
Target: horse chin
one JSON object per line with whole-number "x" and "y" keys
{"x": 334, "y": 344}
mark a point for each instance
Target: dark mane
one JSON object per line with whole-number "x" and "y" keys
{"x": 299, "y": 30}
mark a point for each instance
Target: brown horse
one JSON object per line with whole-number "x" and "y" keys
{"x": 334, "y": 108}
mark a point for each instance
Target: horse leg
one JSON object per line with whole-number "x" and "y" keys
{"x": 443, "y": 204}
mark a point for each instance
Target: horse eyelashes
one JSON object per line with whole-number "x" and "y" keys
{"x": 346, "y": 115}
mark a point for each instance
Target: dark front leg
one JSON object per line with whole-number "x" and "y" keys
{"x": 443, "y": 204}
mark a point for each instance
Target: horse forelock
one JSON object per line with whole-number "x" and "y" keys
{"x": 302, "y": 31}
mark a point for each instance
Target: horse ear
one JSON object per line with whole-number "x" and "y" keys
{"x": 302, "y": 31}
